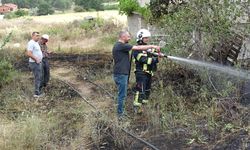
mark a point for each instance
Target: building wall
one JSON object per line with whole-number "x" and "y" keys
{"x": 4, "y": 9}
{"x": 136, "y": 22}
{"x": 143, "y": 2}
{"x": 1, "y": 17}
{"x": 12, "y": 7}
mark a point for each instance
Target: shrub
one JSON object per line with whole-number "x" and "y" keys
{"x": 16, "y": 14}
{"x": 91, "y": 24}
{"x": 10, "y": 15}
{"x": 33, "y": 11}
{"x": 127, "y": 7}
{"x": 79, "y": 9}
{"x": 20, "y": 13}
{"x": 6, "y": 69}
{"x": 110, "y": 7}
{"x": 44, "y": 9}
{"x": 6, "y": 72}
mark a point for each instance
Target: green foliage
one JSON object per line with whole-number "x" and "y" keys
{"x": 33, "y": 11}
{"x": 10, "y": 15}
{"x": 79, "y": 9}
{"x": 91, "y": 24}
{"x": 20, "y": 13}
{"x": 127, "y": 7}
{"x": 44, "y": 9}
{"x": 5, "y": 41}
{"x": 16, "y": 14}
{"x": 62, "y": 4}
{"x": 197, "y": 25}
{"x": 110, "y": 7}
{"x": 87, "y": 4}
{"x": 6, "y": 69}
{"x": 6, "y": 72}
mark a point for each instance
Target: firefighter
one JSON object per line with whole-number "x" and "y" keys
{"x": 120, "y": 54}
{"x": 145, "y": 65}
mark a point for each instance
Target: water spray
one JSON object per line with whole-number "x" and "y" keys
{"x": 221, "y": 68}
{"x": 243, "y": 74}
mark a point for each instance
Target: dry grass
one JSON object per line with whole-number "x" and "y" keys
{"x": 69, "y": 17}
{"x": 66, "y": 33}
{"x": 53, "y": 122}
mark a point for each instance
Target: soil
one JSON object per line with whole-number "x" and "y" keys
{"x": 65, "y": 66}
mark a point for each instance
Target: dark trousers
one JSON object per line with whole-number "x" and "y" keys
{"x": 143, "y": 85}
{"x": 37, "y": 71}
{"x": 45, "y": 72}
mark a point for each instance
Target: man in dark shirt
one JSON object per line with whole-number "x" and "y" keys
{"x": 122, "y": 66}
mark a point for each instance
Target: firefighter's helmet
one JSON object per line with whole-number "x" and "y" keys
{"x": 142, "y": 34}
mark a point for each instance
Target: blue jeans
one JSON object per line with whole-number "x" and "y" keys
{"x": 37, "y": 71}
{"x": 121, "y": 82}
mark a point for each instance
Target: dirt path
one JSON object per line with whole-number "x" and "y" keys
{"x": 85, "y": 88}
{"x": 69, "y": 76}
{"x": 88, "y": 91}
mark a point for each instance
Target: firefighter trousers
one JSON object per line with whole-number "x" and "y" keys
{"x": 143, "y": 87}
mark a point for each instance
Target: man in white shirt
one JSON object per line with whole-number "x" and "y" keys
{"x": 35, "y": 58}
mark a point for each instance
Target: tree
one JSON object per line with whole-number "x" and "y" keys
{"x": 127, "y": 7}
{"x": 87, "y": 4}
{"x": 62, "y": 4}
{"x": 195, "y": 26}
{"x": 44, "y": 9}
{"x": 20, "y": 13}
{"x": 6, "y": 68}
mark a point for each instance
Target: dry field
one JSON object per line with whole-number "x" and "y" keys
{"x": 65, "y": 18}
{"x": 65, "y": 30}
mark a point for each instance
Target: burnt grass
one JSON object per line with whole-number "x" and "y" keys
{"x": 185, "y": 82}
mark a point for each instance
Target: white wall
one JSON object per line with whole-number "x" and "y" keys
{"x": 245, "y": 50}
{"x": 1, "y": 17}
{"x": 135, "y": 23}
{"x": 143, "y": 2}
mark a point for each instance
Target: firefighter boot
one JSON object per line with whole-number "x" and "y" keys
{"x": 138, "y": 109}
{"x": 136, "y": 102}
{"x": 145, "y": 101}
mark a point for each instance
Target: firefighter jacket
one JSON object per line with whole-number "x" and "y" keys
{"x": 145, "y": 62}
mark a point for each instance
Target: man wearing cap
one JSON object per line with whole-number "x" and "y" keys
{"x": 45, "y": 62}
{"x": 35, "y": 58}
